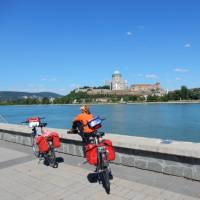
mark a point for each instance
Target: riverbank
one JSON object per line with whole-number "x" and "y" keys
{"x": 117, "y": 103}
{"x": 170, "y": 102}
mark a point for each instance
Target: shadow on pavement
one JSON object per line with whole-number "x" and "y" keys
{"x": 98, "y": 177}
{"x": 94, "y": 177}
{"x": 59, "y": 159}
{"x": 53, "y": 164}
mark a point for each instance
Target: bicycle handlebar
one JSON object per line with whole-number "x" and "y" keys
{"x": 98, "y": 134}
{"x": 42, "y": 125}
{"x": 24, "y": 122}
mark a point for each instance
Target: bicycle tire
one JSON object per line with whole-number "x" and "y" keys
{"x": 105, "y": 180}
{"x": 52, "y": 157}
{"x": 55, "y": 165}
{"x": 34, "y": 146}
{"x": 105, "y": 176}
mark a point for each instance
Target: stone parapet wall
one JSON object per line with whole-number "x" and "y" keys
{"x": 176, "y": 158}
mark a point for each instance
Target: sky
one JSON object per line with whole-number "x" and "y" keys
{"x": 57, "y": 45}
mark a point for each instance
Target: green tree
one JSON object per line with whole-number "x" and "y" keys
{"x": 164, "y": 98}
{"x": 153, "y": 98}
{"x": 45, "y": 100}
{"x": 184, "y": 93}
{"x": 174, "y": 96}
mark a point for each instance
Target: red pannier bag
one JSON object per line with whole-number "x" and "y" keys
{"x": 91, "y": 154}
{"x": 55, "y": 140}
{"x": 109, "y": 148}
{"x": 42, "y": 144}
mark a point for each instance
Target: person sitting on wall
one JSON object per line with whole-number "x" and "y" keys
{"x": 80, "y": 124}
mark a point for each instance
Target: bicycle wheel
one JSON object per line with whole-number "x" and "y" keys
{"x": 34, "y": 146}
{"x": 52, "y": 158}
{"x": 105, "y": 176}
{"x": 105, "y": 180}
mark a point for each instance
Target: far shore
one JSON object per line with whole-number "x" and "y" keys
{"x": 118, "y": 103}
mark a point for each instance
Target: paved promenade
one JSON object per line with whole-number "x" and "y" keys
{"x": 22, "y": 177}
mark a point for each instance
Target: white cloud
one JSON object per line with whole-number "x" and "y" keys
{"x": 129, "y": 33}
{"x": 49, "y": 79}
{"x": 187, "y": 45}
{"x": 151, "y": 76}
{"x": 178, "y": 79}
{"x": 181, "y": 70}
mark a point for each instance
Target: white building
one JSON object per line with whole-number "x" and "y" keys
{"x": 117, "y": 82}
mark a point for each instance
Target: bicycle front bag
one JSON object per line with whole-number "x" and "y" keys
{"x": 95, "y": 123}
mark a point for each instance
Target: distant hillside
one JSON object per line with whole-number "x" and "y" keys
{"x": 12, "y": 96}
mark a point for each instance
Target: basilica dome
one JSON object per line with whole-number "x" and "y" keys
{"x": 116, "y": 74}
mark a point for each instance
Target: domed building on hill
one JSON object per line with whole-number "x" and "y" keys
{"x": 117, "y": 82}
{"x": 118, "y": 86}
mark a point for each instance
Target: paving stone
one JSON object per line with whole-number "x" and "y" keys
{"x": 34, "y": 181}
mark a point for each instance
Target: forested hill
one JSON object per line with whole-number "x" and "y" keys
{"x": 12, "y": 96}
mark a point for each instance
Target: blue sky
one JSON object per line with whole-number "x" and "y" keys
{"x": 48, "y": 45}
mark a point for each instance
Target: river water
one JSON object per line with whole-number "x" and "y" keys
{"x": 165, "y": 121}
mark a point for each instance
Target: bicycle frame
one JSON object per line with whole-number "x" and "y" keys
{"x": 50, "y": 156}
{"x": 33, "y": 140}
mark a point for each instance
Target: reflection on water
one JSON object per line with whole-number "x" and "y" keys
{"x": 165, "y": 121}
